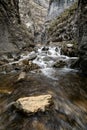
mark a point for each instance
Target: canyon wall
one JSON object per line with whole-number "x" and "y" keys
{"x": 63, "y": 27}
{"x": 33, "y": 14}
{"x": 56, "y": 7}
{"x": 82, "y": 35}
{"x": 22, "y": 23}
{"x": 13, "y": 35}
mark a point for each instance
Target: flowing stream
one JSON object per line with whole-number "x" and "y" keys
{"x": 68, "y": 88}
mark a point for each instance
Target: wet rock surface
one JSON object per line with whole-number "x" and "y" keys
{"x": 68, "y": 93}
{"x": 69, "y": 50}
{"x": 34, "y": 104}
{"x": 59, "y": 64}
{"x": 21, "y": 77}
{"x": 47, "y": 98}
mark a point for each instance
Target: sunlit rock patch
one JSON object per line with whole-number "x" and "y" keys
{"x": 31, "y": 105}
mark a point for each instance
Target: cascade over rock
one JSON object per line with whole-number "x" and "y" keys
{"x": 21, "y": 23}
{"x": 62, "y": 30}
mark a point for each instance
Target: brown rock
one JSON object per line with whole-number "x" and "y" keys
{"x": 30, "y": 67}
{"x": 25, "y": 62}
{"x": 2, "y": 63}
{"x": 22, "y": 76}
{"x": 59, "y": 64}
{"x": 31, "y": 105}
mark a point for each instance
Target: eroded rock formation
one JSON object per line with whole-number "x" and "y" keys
{"x": 13, "y": 35}
{"x": 33, "y": 13}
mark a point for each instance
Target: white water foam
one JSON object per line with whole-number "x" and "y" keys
{"x": 46, "y": 57}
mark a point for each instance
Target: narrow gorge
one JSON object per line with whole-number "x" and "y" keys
{"x": 43, "y": 65}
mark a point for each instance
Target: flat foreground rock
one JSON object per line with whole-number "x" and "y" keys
{"x": 31, "y": 105}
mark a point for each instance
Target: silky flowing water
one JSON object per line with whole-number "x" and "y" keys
{"x": 68, "y": 88}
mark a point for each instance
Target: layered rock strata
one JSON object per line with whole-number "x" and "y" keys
{"x": 13, "y": 35}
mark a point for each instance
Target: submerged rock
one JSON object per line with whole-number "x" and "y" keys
{"x": 47, "y": 58}
{"x": 59, "y": 64}
{"x": 22, "y": 76}
{"x": 31, "y": 105}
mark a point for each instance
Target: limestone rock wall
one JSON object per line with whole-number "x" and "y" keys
{"x": 33, "y": 14}
{"x": 63, "y": 28}
{"x": 13, "y": 35}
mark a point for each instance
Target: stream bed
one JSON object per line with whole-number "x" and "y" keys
{"x": 68, "y": 88}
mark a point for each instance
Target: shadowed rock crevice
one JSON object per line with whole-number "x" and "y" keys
{"x": 13, "y": 35}
{"x": 82, "y": 35}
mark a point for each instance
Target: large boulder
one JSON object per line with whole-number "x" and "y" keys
{"x": 31, "y": 105}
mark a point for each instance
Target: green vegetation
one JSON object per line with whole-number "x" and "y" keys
{"x": 62, "y": 19}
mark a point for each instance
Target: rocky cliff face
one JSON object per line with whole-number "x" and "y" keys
{"x": 82, "y": 35}
{"x": 33, "y": 14}
{"x": 56, "y": 7}
{"x": 62, "y": 30}
{"x": 8, "y": 15}
{"x": 13, "y": 36}
{"x": 22, "y": 22}
{"x": 63, "y": 27}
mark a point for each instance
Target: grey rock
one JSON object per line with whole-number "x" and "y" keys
{"x": 47, "y": 58}
{"x": 32, "y": 56}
